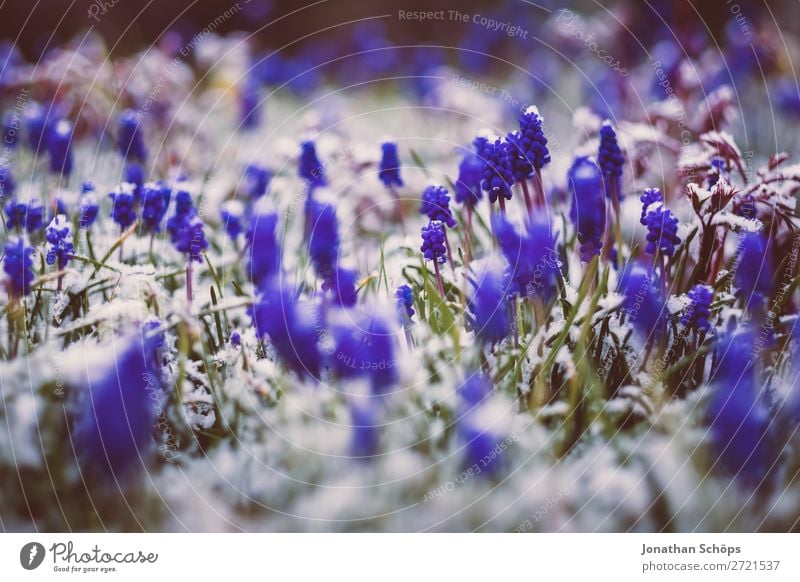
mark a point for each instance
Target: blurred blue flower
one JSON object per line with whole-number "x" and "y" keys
{"x": 389, "y": 172}
{"x": 123, "y": 209}
{"x": 488, "y": 306}
{"x": 753, "y": 277}
{"x": 155, "y": 201}
{"x": 644, "y": 305}
{"x": 130, "y": 140}
{"x": 18, "y": 265}
{"x": 255, "y": 181}
{"x": 404, "y": 296}
{"x": 323, "y": 236}
{"x": 310, "y": 168}
{"x": 263, "y": 249}
{"x": 364, "y": 348}
{"x": 697, "y": 313}
{"x": 231, "y": 214}
{"x": 59, "y": 147}
{"x": 24, "y": 215}
{"x": 588, "y": 211}
{"x": 59, "y": 237}
{"x": 468, "y": 186}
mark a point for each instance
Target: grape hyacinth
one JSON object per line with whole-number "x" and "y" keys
{"x": 610, "y": 160}
{"x": 190, "y": 239}
{"x": 698, "y": 311}
{"x": 24, "y": 215}
{"x": 404, "y": 296}
{"x": 662, "y": 230}
{"x": 588, "y": 210}
{"x": 231, "y": 213}
{"x": 645, "y": 308}
{"x": 134, "y": 174}
{"x": 436, "y": 205}
{"x": 532, "y": 141}
{"x": 389, "y": 172}
{"x": 113, "y": 428}
{"x": 18, "y": 266}
{"x": 130, "y": 141}
{"x": 59, "y": 238}
{"x": 738, "y": 421}
{"x": 753, "y": 277}
{"x": 255, "y": 181}
{"x": 488, "y": 307}
{"x": 468, "y": 186}
{"x": 365, "y": 439}
{"x": 648, "y": 198}
{"x": 88, "y": 208}
{"x": 263, "y": 249}
{"x": 123, "y": 209}
{"x": 289, "y": 326}
{"x": 497, "y": 177}
{"x": 433, "y": 247}
{"x": 323, "y": 237}
{"x": 59, "y": 147}
{"x": 364, "y": 348}
{"x": 155, "y": 201}
{"x": 342, "y": 285}
{"x": 310, "y": 168}
{"x": 36, "y": 125}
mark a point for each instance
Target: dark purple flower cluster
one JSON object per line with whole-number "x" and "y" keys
{"x": 389, "y": 172}
{"x": 433, "y": 245}
{"x": 497, "y": 177}
{"x": 698, "y": 311}
{"x": 468, "y": 185}
{"x": 436, "y": 205}
{"x": 123, "y": 209}
{"x": 588, "y": 211}
{"x": 24, "y": 215}
{"x": 59, "y": 237}
{"x": 662, "y": 230}
{"x": 18, "y": 265}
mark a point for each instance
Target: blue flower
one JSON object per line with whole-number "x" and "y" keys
{"x": 484, "y": 447}
{"x": 609, "y": 157}
{"x": 155, "y": 201}
{"x": 468, "y": 185}
{"x": 475, "y": 389}
{"x": 436, "y": 205}
{"x": 662, "y": 230}
{"x": 231, "y": 214}
{"x": 59, "y": 147}
{"x": 59, "y": 236}
{"x": 290, "y": 328}
{"x": 404, "y": 296}
{"x": 533, "y": 264}
{"x": 249, "y": 102}
{"x": 255, "y": 181}
{"x": 738, "y": 420}
{"x": 27, "y": 215}
{"x": 129, "y": 136}
{"x": 264, "y": 252}
{"x": 532, "y": 142}
{"x": 433, "y": 246}
{"x": 134, "y": 174}
{"x": 650, "y": 196}
{"x": 364, "y": 348}
{"x": 698, "y": 311}
{"x": 588, "y": 211}
{"x": 88, "y": 208}
{"x": 342, "y": 285}
{"x": 115, "y": 424}
{"x": 36, "y": 124}
{"x": 644, "y": 306}
{"x": 753, "y": 276}
{"x": 365, "y": 439}
{"x": 389, "y": 172}
{"x": 190, "y": 239}
{"x": 498, "y": 172}
{"x": 123, "y": 209}
{"x": 7, "y": 184}
{"x": 310, "y": 168}
{"x": 18, "y": 265}
{"x": 236, "y": 339}
{"x": 488, "y": 306}
{"x": 323, "y": 236}
{"x": 520, "y": 165}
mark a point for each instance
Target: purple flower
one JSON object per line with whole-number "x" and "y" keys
{"x": 231, "y": 214}
{"x": 662, "y": 230}
{"x": 468, "y": 185}
{"x": 364, "y": 348}
{"x": 323, "y": 237}
{"x": 753, "y": 276}
{"x": 263, "y": 250}
{"x": 498, "y": 172}
{"x": 27, "y": 215}
{"x": 310, "y": 168}
{"x": 488, "y": 306}
{"x": 59, "y": 147}
{"x": 436, "y": 205}
{"x": 404, "y": 296}
{"x": 36, "y": 124}
{"x": 18, "y": 265}
{"x": 532, "y": 142}
{"x": 88, "y": 208}
{"x": 190, "y": 239}
{"x": 433, "y": 245}
{"x": 342, "y": 285}
{"x": 365, "y": 439}
{"x": 609, "y": 157}
{"x": 389, "y": 172}
{"x": 738, "y": 420}
{"x": 288, "y": 325}
{"x": 130, "y": 142}
{"x": 645, "y": 308}
{"x": 59, "y": 236}
{"x": 155, "y": 201}
{"x": 475, "y": 389}
{"x": 650, "y": 196}
{"x": 698, "y": 312}
{"x": 255, "y": 181}
{"x": 117, "y": 416}
{"x": 123, "y": 209}
{"x": 588, "y": 211}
